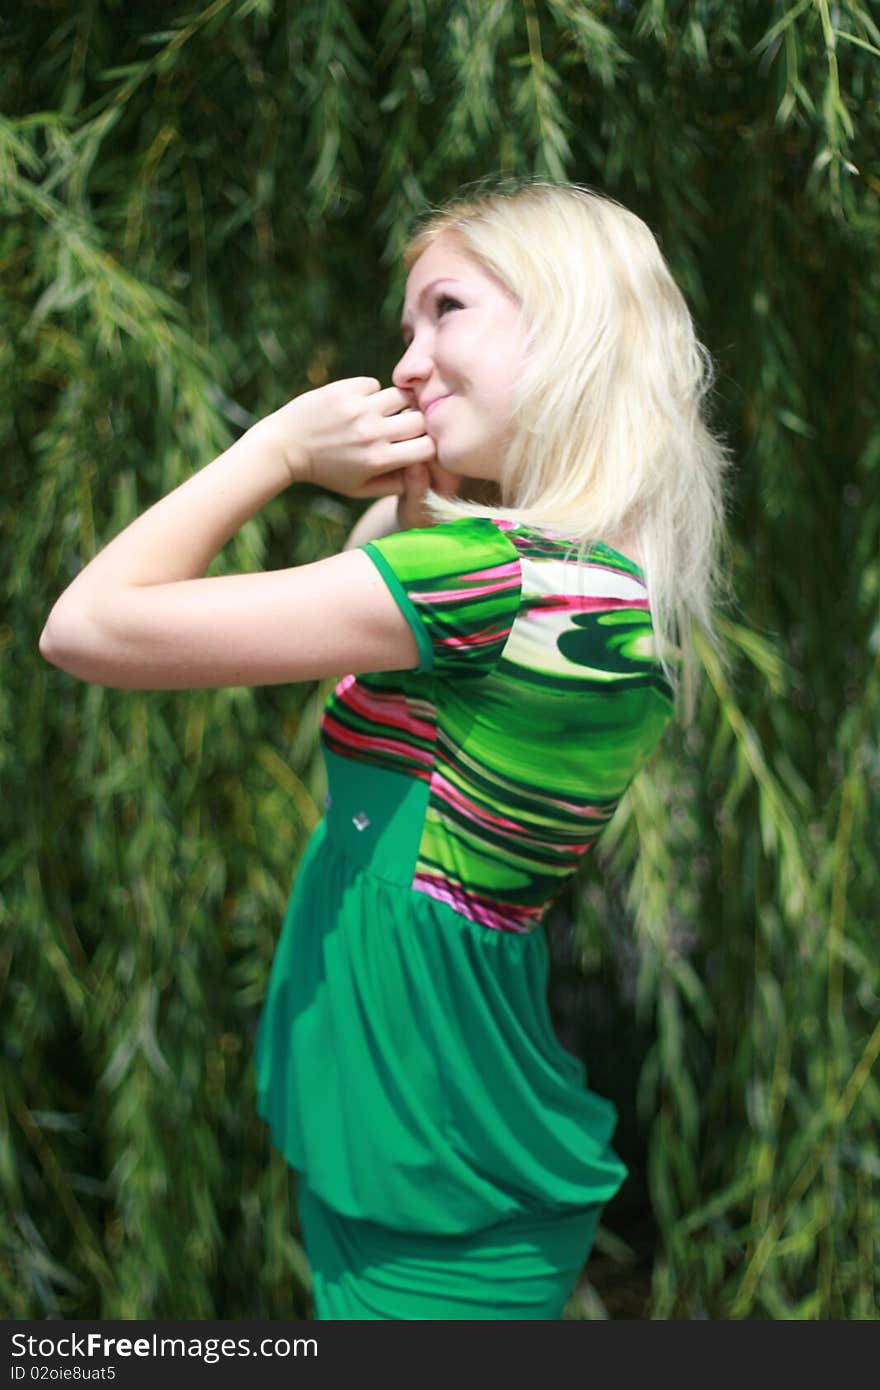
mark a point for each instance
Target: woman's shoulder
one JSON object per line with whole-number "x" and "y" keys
{"x": 627, "y": 547}
{"x": 486, "y": 493}
{"x": 557, "y": 542}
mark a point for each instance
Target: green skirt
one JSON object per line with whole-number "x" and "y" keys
{"x": 523, "y": 1269}
{"x": 409, "y": 1071}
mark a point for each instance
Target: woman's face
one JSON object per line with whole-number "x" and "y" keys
{"x": 465, "y": 343}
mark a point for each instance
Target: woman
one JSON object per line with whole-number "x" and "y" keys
{"x": 517, "y": 657}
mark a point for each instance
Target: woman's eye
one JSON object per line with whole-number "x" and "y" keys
{"x": 445, "y": 301}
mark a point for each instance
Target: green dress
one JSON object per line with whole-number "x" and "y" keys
{"x": 452, "y": 1161}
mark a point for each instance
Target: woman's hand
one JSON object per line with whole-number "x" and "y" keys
{"x": 351, "y": 437}
{"x": 411, "y": 510}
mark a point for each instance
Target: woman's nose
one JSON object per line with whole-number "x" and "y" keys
{"x": 414, "y": 365}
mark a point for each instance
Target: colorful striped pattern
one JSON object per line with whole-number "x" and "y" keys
{"x": 536, "y": 700}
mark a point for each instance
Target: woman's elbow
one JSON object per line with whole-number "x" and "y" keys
{"x": 59, "y": 647}
{"x": 48, "y": 644}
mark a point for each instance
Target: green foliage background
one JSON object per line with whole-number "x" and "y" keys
{"x": 198, "y": 224}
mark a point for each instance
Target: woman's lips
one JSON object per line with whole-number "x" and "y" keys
{"x": 438, "y": 400}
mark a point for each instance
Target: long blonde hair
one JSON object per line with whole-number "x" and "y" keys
{"x": 608, "y": 436}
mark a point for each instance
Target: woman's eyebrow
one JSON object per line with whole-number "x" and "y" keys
{"x": 426, "y": 289}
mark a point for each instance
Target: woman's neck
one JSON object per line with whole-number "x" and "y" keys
{"x": 485, "y": 491}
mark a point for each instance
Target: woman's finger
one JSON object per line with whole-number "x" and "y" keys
{"x": 444, "y": 482}
{"x": 406, "y": 451}
{"x": 384, "y": 485}
{"x": 409, "y": 424}
{"x": 416, "y": 479}
{"x": 389, "y": 401}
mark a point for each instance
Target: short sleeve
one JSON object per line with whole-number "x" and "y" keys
{"x": 458, "y": 584}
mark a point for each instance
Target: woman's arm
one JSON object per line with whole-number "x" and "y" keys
{"x": 379, "y": 520}
{"x": 138, "y": 617}
{"x": 402, "y": 513}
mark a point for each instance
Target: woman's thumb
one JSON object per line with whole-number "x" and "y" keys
{"x": 416, "y": 478}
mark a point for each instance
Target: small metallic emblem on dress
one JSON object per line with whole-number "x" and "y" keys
{"x": 361, "y": 820}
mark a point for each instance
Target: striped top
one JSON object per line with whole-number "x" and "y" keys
{"x": 536, "y": 699}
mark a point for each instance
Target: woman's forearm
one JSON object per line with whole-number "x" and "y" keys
{"x": 383, "y": 517}
{"x": 380, "y": 519}
{"x": 178, "y": 537}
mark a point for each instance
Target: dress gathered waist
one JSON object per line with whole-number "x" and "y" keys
{"x": 374, "y": 817}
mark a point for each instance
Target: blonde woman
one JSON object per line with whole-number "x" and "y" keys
{"x": 515, "y": 612}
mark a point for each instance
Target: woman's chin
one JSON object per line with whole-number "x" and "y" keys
{"x": 466, "y": 463}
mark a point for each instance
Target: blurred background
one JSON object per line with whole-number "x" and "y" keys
{"x": 203, "y": 219}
